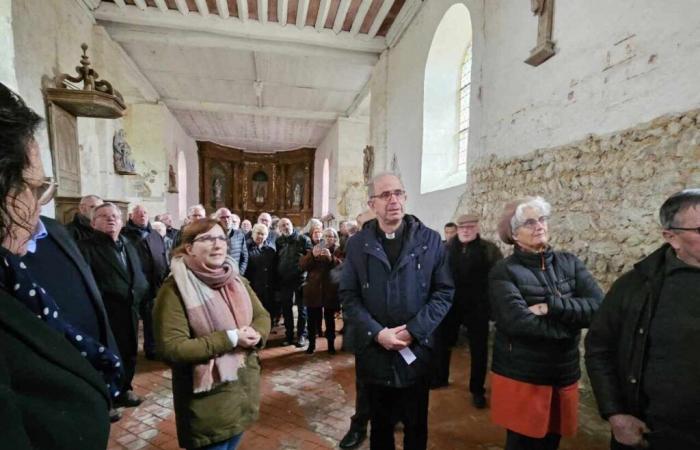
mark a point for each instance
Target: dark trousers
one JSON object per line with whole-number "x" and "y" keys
{"x": 146, "y": 313}
{"x": 408, "y": 405}
{"x": 315, "y": 316}
{"x": 478, "y": 335}
{"x": 361, "y": 417}
{"x": 515, "y": 441}
{"x": 288, "y": 297}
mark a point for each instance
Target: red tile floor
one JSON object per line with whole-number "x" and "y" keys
{"x": 307, "y": 401}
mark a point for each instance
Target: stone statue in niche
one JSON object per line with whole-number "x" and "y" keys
{"x": 368, "y": 163}
{"x": 172, "y": 179}
{"x": 296, "y": 195}
{"x": 218, "y": 190}
{"x": 537, "y": 7}
{"x": 259, "y": 187}
{"x": 123, "y": 161}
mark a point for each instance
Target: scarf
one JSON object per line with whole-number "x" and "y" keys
{"x": 215, "y": 300}
{"x": 18, "y": 282}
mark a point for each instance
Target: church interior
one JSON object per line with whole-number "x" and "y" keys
{"x": 291, "y": 106}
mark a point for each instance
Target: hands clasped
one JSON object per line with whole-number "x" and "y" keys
{"x": 395, "y": 338}
{"x": 248, "y": 337}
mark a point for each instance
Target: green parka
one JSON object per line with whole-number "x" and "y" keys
{"x": 228, "y": 409}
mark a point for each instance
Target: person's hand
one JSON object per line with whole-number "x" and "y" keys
{"x": 405, "y": 336}
{"x": 326, "y": 252}
{"x": 388, "y": 338}
{"x": 539, "y": 309}
{"x": 628, "y": 430}
{"x": 316, "y": 251}
{"x": 248, "y": 337}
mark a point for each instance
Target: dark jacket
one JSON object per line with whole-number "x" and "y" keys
{"x": 152, "y": 254}
{"x": 319, "y": 289}
{"x": 51, "y": 398}
{"x": 616, "y": 343}
{"x": 416, "y": 291}
{"x": 541, "y": 349}
{"x": 58, "y": 234}
{"x": 238, "y": 250}
{"x": 271, "y": 240}
{"x": 289, "y": 250}
{"x": 262, "y": 271}
{"x": 79, "y": 228}
{"x": 122, "y": 290}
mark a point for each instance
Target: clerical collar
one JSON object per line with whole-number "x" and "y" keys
{"x": 391, "y": 236}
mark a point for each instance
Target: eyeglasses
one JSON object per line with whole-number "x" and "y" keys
{"x": 211, "y": 239}
{"x": 696, "y": 229}
{"x": 44, "y": 192}
{"x": 386, "y": 195}
{"x": 532, "y": 223}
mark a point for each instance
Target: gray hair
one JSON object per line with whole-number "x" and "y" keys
{"x": 191, "y": 209}
{"x": 370, "y": 185}
{"x": 219, "y": 211}
{"x": 678, "y": 202}
{"x": 311, "y": 224}
{"x": 332, "y": 231}
{"x": 104, "y": 205}
{"x": 537, "y": 203}
{"x": 138, "y": 205}
{"x": 89, "y": 197}
{"x": 260, "y": 227}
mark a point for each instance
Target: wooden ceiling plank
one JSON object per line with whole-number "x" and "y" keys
{"x": 360, "y": 17}
{"x": 202, "y": 7}
{"x": 262, "y": 11}
{"x": 162, "y": 6}
{"x": 242, "y": 10}
{"x": 340, "y": 16}
{"x": 302, "y": 11}
{"x": 266, "y": 111}
{"x": 322, "y": 14}
{"x": 402, "y": 21}
{"x": 222, "y": 8}
{"x": 379, "y": 19}
{"x": 141, "y": 4}
{"x": 182, "y": 7}
{"x": 282, "y": 12}
{"x": 120, "y": 3}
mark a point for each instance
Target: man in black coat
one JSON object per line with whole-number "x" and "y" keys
{"x": 291, "y": 246}
{"x": 79, "y": 228}
{"x": 117, "y": 269}
{"x": 154, "y": 262}
{"x": 237, "y": 248}
{"x": 470, "y": 258}
{"x": 170, "y": 231}
{"x": 642, "y": 347}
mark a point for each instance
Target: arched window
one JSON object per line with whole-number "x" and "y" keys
{"x": 446, "y": 94}
{"x": 325, "y": 189}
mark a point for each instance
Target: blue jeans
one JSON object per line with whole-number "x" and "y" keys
{"x": 231, "y": 444}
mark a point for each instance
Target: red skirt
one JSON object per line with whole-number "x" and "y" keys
{"x": 534, "y": 410}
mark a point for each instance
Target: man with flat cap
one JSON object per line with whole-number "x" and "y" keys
{"x": 470, "y": 260}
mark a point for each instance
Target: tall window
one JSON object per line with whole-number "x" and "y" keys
{"x": 465, "y": 91}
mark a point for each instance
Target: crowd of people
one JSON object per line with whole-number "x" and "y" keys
{"x": 210, "y": 293}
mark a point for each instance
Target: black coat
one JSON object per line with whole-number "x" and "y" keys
{"x": 541, "y": 349}
{"x": 79, "y": 228}
{"x": 152, "y": 254}
{"x": 262, "y": 271}
{"x": 289, "y": 250}
{"x": 122, "y": 290}
{"x": 616, "y": 343}
{"x": 51, "y": 398}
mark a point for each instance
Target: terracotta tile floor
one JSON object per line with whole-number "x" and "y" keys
{"x": 307, "y": 401}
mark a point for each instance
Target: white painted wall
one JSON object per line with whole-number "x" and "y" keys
{"x": 327, "y": 149}
{"x": 617, "y": 64}
{"x": 7, "y": 46}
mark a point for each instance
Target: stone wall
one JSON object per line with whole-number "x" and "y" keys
{"x": 605, "y": 190}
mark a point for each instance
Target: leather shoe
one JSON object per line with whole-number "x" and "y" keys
{"x": 128, "y": 399}
{"x": 353, "y": 438}
{"x": 479, "y": 401}
{"x": 301, "y": 342}
{"x": 114, "y": 415}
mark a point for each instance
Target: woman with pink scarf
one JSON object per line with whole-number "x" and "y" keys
{"x": 208, "y": 326}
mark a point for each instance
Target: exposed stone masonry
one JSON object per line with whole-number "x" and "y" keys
{"x": 605, "y": 191}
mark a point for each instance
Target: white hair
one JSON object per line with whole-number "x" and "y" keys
{"x": 537, "y": 203}
{"x": 191, "y": 209}
{"x": 331, "y": 231}
{"x": 260, "y": 227}
{"x": 311, "y": 224}
{"x": 219, "y": 211}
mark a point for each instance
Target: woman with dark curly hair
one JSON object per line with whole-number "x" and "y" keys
{"x": 51, "y": 393}
{"x": 540, "y": 299}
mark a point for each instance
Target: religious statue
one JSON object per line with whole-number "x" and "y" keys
{"x": 296, "y": 195}
{"x": 259, "y": 187}
{"x": 537, "y": 7}
{"x": 123, "y": 161}
{"x": 218, "y": 188}
{"x": 368, "y": 163}
{"x": 395, "y": 165}
{"x": 172, "y": 179}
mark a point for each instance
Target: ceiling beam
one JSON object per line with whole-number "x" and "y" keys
{"x": 182, "y": 7}
{"x": 322, "y": 14}
{"x": 266, "y": 111}
{"x": 202, "y": 7}
{"x": 282, "y": 12}
{"x": 360, "y": 17}
{"x": 253, "y": 145}
{"x": 379, "y": 19}
{"x": 302, "y": 11}
{"x": 158, "y": 23}
{"x": 358, "y": 100}
{"x": 222, "y": 8}
{"x": 120, "y": 3}
{"x": 141, "y": 4}
{"x": 195, "y": 39}
{"x": 402, "y": 21}
{"x": 262, "y": 11}
{"x": 162, "y": 6}
{"x": 242, "y": 10}
{"x": 340, "y": 15}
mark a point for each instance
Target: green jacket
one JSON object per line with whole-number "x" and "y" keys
{"x": 228, "y": 409}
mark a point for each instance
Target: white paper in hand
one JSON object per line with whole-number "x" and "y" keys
{"x": 407, "y": 355}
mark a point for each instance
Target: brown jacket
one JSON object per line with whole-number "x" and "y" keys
{"x": 319, "y": 289}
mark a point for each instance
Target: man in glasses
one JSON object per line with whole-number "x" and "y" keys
{"x": 642, "y": 348}
{"x": 79, "y": 228}
{"x": 396, "y": 288}
{"x": 237, "y": 248}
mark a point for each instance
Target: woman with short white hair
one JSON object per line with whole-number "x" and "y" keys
{"x": 262, "y": 268}
{"x": 541, "y": 299}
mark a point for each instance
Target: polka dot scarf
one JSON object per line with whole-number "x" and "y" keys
{"x": 17, "y": 280}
